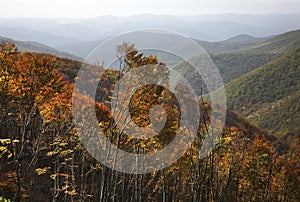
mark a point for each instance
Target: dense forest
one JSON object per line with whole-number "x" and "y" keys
{"x": 42, "y": 157}
{"x": 272, "y": 101}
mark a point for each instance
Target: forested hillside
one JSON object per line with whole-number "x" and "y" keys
{"x": 42, "y": 158}
{"x": 269, "y": 95}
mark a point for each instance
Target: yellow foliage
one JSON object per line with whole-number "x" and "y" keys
{"x": 42, "y": 171}
{"x": 5, "y": 141}
{"x": 72, "y": 192}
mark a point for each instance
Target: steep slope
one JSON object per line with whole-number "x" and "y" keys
{"x": 269, "y": 95}
{"x": 39, "y": 48}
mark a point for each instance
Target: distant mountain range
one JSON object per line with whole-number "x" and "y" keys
{"x": 235, "y": 43}
{"x": 66, "y": 33}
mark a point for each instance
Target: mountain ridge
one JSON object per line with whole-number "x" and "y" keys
{"x": 203, "y": 27}
{"x": 33, "y": 46}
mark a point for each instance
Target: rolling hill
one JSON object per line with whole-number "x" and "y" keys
{"x": 28, "y": 34}
{"x": 245, "y": 38}
{"x": 278, "y": 44}
{"x": 233, "y": 44}
{"x": 39, "y": 48}
{"x": 269, "y": 95}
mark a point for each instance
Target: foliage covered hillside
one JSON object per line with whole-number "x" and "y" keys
{"x": 269, "y": 95}
{"x": 234, "y": 65}
{"x": 42, "y": 158}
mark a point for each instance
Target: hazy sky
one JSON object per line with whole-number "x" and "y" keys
{"x": 93, "y": 8}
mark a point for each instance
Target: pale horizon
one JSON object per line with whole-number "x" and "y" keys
{"x": 150, "y": 14}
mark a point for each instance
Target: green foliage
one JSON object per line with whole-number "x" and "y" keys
{"x": 284, "y": 117}
{"x": 268, "y": 95}
{"x": 234, "y": 65}
{"x": 3, "y": 199}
